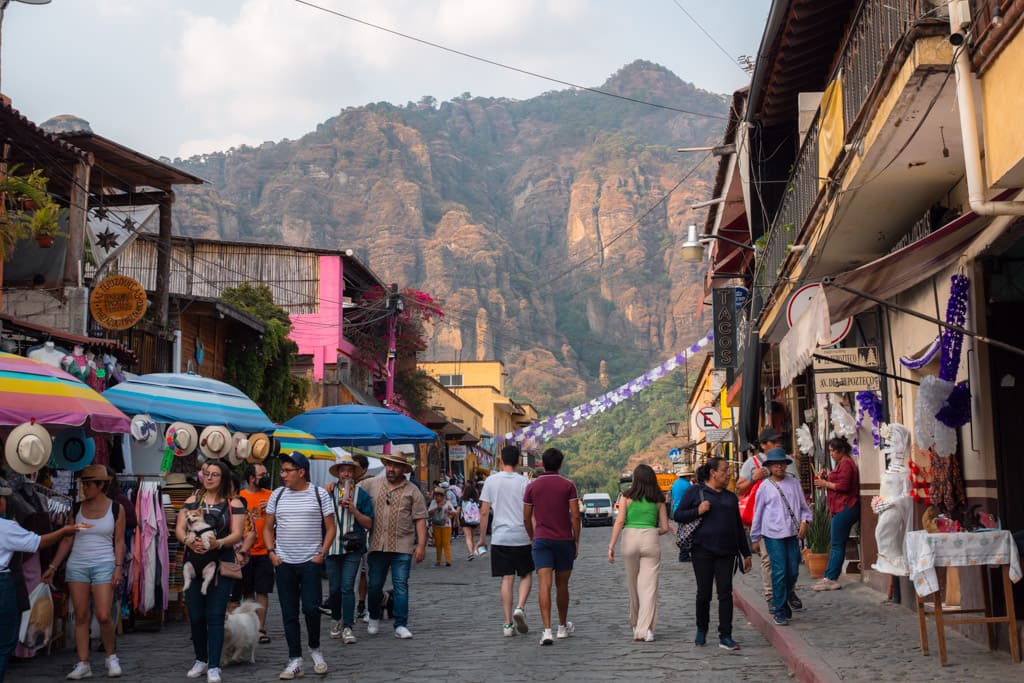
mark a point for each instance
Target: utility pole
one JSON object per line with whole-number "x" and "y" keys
{"x": 394, "y": 307}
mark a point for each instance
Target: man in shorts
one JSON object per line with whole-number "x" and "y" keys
{"x": 258, "y": 574}
{"x": 551, "y": 515}
{"x": 511, "y": 553}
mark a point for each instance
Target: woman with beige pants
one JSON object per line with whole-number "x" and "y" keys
{"x": 642, "y": 519}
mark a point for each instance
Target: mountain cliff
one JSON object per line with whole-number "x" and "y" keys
{"x": 549, "y": 227}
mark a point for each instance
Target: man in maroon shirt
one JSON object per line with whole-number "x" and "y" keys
{"x": 551, "y": 515}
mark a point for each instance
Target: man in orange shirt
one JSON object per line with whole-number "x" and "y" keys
{"x": 258, "y": 574}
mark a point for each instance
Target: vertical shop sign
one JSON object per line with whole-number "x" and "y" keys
{"x": 723, "y": 308}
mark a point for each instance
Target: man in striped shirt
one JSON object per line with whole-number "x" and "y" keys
{"x": 298, "y": 533}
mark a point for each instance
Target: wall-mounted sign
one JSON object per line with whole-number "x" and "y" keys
{"x": 707, "y": 418}
{"x": 117, "y": 302}
{"x": 799, "y": 302}
{"x": 718, "y": 435}
{"x": 457, "y": 453}
{"x": 832, "y": 376}
{"x": 723, "y": 308}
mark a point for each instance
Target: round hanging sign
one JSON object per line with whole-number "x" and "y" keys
{"x": 799, "y": 302}
{"x": 118, "y": 302}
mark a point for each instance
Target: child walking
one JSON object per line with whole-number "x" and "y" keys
{"x": 440, "y": 514}
{"x": 781, "y": 516}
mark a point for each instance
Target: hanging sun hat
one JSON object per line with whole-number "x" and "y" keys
{"x": 240, "y": 449}
{"x": 95, "y": 473}
{"x": 396, "y": 459}
{"x": 345, "y": 458}
{"x": 73, "y": 450}
{"x": 28, "y": 448}
{"x": 144, "y": 430}
{"x": 177, "y": 480}
{"x": 181, "y": 437}
{"x": 259, "y": 447}
{"x": 215, "y": 442}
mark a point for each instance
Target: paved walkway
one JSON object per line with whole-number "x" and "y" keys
{"x": 456, "y": 619}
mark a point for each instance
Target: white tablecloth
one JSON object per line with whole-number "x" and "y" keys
{"x": 927, "y": 551}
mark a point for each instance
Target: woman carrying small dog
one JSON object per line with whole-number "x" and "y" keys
{"x": 226, "y": 515}
{"x": 95, "y": 557}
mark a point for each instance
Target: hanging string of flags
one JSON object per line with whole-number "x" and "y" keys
{"x": 538, "y": 432}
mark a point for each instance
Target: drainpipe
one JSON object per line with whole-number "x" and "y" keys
{"x": 960, "y": 27}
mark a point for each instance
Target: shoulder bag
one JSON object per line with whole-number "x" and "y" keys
{"x": 230, "y": 570}
{"x": 747, "y": 501}
{"x": 796, "y": 524}
{"x": 686, "y": 531}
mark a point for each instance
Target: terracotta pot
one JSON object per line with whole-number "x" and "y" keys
{"x": 44, "y": 241}
{"x": 27, "y": 204}
{"x": 816, "y": 563}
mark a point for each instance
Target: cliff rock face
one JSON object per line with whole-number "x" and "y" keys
{"x": 549, "y": 227}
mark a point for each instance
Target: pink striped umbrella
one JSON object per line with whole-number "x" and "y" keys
{"x": 30, "y": 390}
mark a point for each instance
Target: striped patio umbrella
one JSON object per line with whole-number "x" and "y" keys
{"x": 290, "y": 440}
{"x": 173, "y": 397}
{"x": 30, "y": 390}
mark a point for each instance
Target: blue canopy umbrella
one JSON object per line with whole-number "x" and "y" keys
{"x": 173, "y": 397}
{"x": 358, "y": 425}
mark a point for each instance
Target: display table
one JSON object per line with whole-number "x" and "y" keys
{"x": 927, "y": 551}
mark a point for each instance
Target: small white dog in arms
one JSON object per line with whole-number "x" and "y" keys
{"x": 198, "y": 528}
{"x": 242, "y": 633}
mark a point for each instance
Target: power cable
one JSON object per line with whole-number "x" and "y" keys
{"x": 710, "y": 37}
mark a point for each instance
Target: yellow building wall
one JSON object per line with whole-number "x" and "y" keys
{"x": 1002, "y": 103}
{"x": 457, "y": 411}
{"x": 474, "y": 373}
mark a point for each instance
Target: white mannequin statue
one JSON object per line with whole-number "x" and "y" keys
{"x": 48, "y": 353}
{"x": 893, "y": 506}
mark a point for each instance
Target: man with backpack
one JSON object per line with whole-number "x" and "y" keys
{"x": 298, "y": 532}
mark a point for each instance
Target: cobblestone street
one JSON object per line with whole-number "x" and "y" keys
{"x": 456, "y": 618}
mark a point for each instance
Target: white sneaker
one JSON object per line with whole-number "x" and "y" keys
{"x": 519, "y": 617}
{"x": 403, "y": 633}
{"x": 649, "y": 638}
{"x": 373, "y": 626}
{"x": 197, "y": 670}
{"x": 81, "y": 670}
{"x": 113, "y": 667}
{"x": 335, "y": 629}
{"x": 347, "y": 636}
{"x": 546, "y": 638}
{"x": 565, "y": 630}
{"x": 319, "y": 665}
{"x": 293, "y": 670}
{"x": 213, "y": 675}
{"x": 508, "y": 630}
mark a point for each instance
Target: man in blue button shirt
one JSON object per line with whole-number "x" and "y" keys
{"x": 682, "y": 483}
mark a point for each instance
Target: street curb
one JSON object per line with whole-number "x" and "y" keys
{"x": 800, "y": 656}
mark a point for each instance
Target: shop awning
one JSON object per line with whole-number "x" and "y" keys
{"x": 44, "y": 333}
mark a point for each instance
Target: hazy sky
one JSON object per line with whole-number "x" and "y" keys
{"x": 179, "y": 77}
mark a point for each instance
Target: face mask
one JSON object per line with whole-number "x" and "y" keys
{"x": 264, "y": 481}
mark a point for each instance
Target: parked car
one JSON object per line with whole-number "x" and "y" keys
{"x": 597, "y": 509}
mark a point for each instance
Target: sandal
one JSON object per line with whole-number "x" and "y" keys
{"x": 264, "y": 638}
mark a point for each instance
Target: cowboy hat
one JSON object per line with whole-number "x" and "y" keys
{"x": 259, "y": 447}
{"x": 215, "y": 442}
{"x": 240, "y": 449}
{"x": 345, "y": 458}
{"x": 685, "y": 471}
{"x": 181, "y": 437}
{"x": 73, "y": 450}
{"x": 28, "y": 448}
{"x": 176, "y": 480}
{"x": 776, "y": 455}
{"x": 144, "y": 430}
{"x": 95, "y": 473}
{"x": 396, "y": 459}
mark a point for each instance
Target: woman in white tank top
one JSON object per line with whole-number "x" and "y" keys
{"x": 95, "y": 556}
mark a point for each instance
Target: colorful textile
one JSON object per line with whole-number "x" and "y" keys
{"x": 927, "y": 551}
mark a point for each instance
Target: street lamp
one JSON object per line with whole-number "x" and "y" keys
{"x": 673, "y": 428}
{"x": 693, "y": 247}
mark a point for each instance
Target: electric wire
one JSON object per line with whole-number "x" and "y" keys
{"x": 709, "y": 36}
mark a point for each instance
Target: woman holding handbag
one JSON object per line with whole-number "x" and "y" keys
{"x": 226, "y": 515}
{"x": 717, "y": 541}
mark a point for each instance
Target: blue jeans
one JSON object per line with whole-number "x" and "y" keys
{"x": 377, "y": 566}
{"x": 342, "y": 571}
{"x": 784, "y": 554}
{"x": 10, "y": 620}
{"x": 299, "y": 583}
{"x": 842, "y": 522}
{"x": 206, "y": 616}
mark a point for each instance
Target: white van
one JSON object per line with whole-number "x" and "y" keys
{"x": 597, "y": 509}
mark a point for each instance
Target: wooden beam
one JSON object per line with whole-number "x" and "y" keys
{"x": 163, "y": 262}
{"x": 78, "y": 207}
{"x": 129, "y": 199}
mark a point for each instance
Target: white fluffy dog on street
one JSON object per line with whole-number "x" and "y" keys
{"x": 242, "y": 633}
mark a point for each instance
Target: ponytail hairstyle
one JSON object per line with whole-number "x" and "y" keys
{"x": 840, "y": 444}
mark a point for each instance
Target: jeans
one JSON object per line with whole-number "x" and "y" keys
{"x": 785, "y": 556}
{"x": 206, "y": 616}
{"x": 708, "y": 568}
{"x": 842, "y": 522}
{"x": 341, "y": 582}
{"x": 295, "y": 583}
{"x": 10, "y": 620}
{"x": 377, "y": 566}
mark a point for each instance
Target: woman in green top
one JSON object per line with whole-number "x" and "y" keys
{"x": 643, "y": 515}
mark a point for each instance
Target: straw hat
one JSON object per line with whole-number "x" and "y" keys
{"x": 28, "y": 448}
{"x": 95, "y": 473}
{"x": 396, "y": 459}
{"x": 177, "y": 480}
{"x": 345, "y": 458}
{"x": 259, "y": 447}
{"x": 144, "y": 430}
{"x": 181, "y": 437}
{"x": 240, "y": 449}
{"x": 215, "y": 442}
{"x": 73, "y": 450}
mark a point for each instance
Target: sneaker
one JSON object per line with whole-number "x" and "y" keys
{"x": 519, "y": 617}
{"x": 365, "y": 617}
{"x": 728, "y": 644}
{"x": 565, "y": 630}
{"x": 197, "y": 670}
{"x": 701, "y": 638}
{"x": 780, "y": 620}
{"x": 508, "y": 630}
{"x": 213, "y": 675}
{"x": 649, "y": 638}
{"x": 347, "y": 636}
{"x": 293, "y": 670}
{"x": 113, "y": 667}
{"x": 403, "y": 633}
{"x": 826, "y": 585}
{"x": 325, "y": 609}
{"x": 795, "y": 603}
{"x": 319, "y": 665}
{"x": 81, "y": 670}
{"x": 545, "y": 638}
{"x": 373, "y": 626}
{"x": 335, "y": 629}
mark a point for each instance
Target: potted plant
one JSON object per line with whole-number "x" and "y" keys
{"x": 44, "y": 223}
{"x": 26, "y": 210}
{"x": 818, "y": 539}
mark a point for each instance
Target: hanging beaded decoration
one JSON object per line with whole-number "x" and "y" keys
{"x": 953, "y": 341}
{"x": 870, "y": 404}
